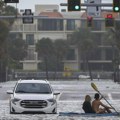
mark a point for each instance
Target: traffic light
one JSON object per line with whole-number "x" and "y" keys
{"x": 11, "y": 1}
{"x": 109, "y": 20}
{"x": 29, "y": 19}
{"x": 116, "y": 5}
{"x": 89, "y": 21}
{"x": 74, "y": 5}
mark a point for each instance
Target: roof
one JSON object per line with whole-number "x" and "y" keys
{"x": 103, "y": 14}
{"x": 51, "y": 14}
{"x": 33, "y": 81}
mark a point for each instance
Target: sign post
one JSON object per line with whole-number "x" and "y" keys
{"x": 94, "y": 11}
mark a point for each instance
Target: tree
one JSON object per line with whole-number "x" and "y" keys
{"x": 16, "y": 50}
{"x": 52, "y": 53}
{"x": 4, "y": 30}
{"x": 3, "y": 35}
{"x": 8, "y": 10}
{"x": 2, "y": 7}
{"x": 45, "y": 50}
{"x": 44, "y": 47}
{"x": 5, "y": 25}
{"x": 61, "y": 49}
{"x": 112, "y": 37}
{"x": 83, "y": 40}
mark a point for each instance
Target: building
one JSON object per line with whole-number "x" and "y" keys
{"x": 102, "y": 57}
{"x": 61, "y": 26}
{"x": 45, "y": 26}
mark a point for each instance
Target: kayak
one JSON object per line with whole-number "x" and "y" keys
{"x": 87, "y": 114}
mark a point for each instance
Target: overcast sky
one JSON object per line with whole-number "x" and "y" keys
{"x": 30, "y": 4}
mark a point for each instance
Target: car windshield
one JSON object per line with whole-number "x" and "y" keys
{"x": 33, "y": 88}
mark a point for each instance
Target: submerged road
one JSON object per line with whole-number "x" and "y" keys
{"x": 73, "y": 90}
{"x": 70, "y": 99}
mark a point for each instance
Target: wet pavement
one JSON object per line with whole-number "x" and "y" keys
{"x": 70, "y": 100}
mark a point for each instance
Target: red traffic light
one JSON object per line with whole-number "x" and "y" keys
{"x": 109, "y": 20}
{"x": 89, "y": 21}
{"x": 109, "y": 16}
{"x": 89, "y": 18}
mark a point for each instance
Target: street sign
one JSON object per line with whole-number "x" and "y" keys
{"x": 11, "y": 1}
{"x": 28, "y": 20}
{"x": 89, "y": 21}
{"x": 94, "y": 11}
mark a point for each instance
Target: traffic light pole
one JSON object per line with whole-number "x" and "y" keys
{"x": 91, "y": 4}
{"x": 63, "y": 4}
{"x": 45, "y": 17}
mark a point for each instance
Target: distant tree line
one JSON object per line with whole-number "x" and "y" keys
{"x": 12, "y": 46}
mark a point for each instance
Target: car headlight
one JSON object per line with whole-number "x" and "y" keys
{"x": 15, "y": 100}
{"x": 53, "y": 101}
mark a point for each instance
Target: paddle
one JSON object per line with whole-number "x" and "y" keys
{"x": 96, "y": 89}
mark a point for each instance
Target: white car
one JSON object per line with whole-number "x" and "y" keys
{"x": 31, "y": 96}
{"x": 83, "y": 77}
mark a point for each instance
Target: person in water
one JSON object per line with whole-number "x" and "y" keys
{"x": 98, "y": 106}
{"x": 87, "y": 105}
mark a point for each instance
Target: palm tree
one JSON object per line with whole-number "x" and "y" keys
{"x": 112, "y": 36}
{"x": 82, "y": 39}
{"x": 3, "y": 36}
{"x": 61, "y": 48}
{"x": 4, "y": 31}
{"x": 16, "y": 50}
{"x": 45, "y": 50}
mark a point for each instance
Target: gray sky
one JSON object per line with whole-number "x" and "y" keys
{"x": 30, "y": 4}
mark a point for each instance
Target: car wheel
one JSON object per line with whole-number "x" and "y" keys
{"x": 11, "y": 112}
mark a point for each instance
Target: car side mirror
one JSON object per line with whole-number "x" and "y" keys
{"x": 10, "y": 92}
{"x": 56, "y": 93}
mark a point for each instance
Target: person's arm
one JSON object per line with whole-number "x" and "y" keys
{"x": 105, "y": 106}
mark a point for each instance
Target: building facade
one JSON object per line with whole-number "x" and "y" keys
{"x": 46, "y": 27}
{"x": 60, "y": 25}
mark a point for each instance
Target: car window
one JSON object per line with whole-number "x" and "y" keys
{"x": 33, "y": 88}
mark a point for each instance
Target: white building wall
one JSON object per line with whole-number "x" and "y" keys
{"x": 41, "y": 8}
{"x": 52, "y": 35}
{"x": 30, "y": 66}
